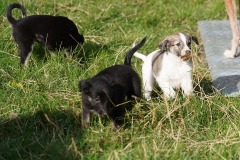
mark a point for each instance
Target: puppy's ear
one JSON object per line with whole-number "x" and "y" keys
{"x": 164, "y": 45}
{"x": 84, "y": 86}
{"x": 194, "y": 39}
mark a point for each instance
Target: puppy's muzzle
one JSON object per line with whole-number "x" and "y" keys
{"x": 187, "y": 56}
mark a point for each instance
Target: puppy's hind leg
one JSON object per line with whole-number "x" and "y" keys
{"x": 148, "y": 82}
{"x": 25, "y": 49}
{"x": 148, "y": 87}
{"x": 232, "y": 13}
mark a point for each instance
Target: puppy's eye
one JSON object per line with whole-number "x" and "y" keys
{"x": 178, "y": 44}
{"x": 189, "y": 43}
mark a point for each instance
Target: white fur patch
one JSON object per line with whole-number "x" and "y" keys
{"x": 27, "y": 59}
{"x": 184, "y": 40}
{"x": 90, "y": 99}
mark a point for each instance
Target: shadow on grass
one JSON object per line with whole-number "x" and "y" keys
{"x": 81, "y": 53}
{"x": 205, "y": 86}
{"x": 91, "y": 49}
{"x": 50, "y": 135}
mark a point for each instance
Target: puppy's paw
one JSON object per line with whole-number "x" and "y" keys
{"x": 115, "y": 127}
{"x": 147, "y": 96}
{"x": 229, "y": 54}
{"x": 148, "y": 99}
{"x": 188, "y": 95}
{"x": 170, "y": 95}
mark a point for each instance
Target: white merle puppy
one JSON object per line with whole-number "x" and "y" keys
{"x": 170, "y": 66}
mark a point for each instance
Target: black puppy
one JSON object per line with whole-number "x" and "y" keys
{"x": 109, "y": 93}
{"x": 53, "y": 32}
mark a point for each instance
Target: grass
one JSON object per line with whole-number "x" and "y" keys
{"x": 40, "y": 106}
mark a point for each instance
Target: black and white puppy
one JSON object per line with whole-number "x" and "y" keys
{"x": 110, "y": 92}
{"x": 52, "y": 32}
{"x": 170, "y": 66}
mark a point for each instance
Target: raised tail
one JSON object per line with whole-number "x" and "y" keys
{"x": 140, "y": 55}
{"x": 9, "y": 12}
{"x": 130, "y": 52}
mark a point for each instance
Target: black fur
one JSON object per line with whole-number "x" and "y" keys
{"x": 53, "y": 32}
{"x": 110, "y": 92}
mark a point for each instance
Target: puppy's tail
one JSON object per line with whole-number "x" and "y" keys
{"x": 130, "y": 53}
{"x": 9, "y": 12}
{"x": 140, "y": 55}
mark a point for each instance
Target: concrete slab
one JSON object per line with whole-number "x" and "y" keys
{"x": 216, "y": 36}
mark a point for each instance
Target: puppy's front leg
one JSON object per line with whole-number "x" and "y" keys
{"x": 116, "y": 115}
{"x": 85, "y": 117}
{"x": 187, "y": 85}
{"x": 168, "y": 91}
